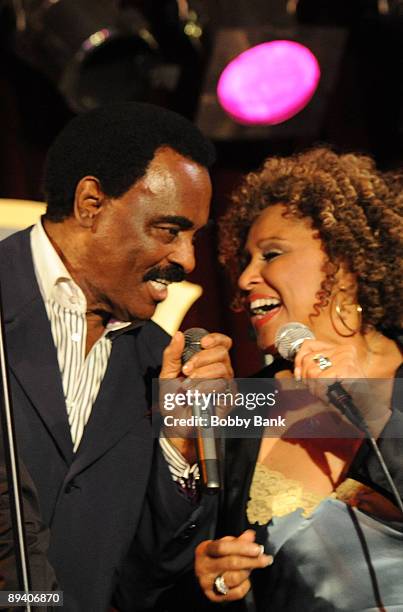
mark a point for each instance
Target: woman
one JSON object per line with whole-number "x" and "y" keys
{"x": 317, "y": 239}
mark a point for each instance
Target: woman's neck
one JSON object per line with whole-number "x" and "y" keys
{"x": 381, "y": 355}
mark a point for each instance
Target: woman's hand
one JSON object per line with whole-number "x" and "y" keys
{"x": 231, "y": 558}
{"x": 343, "y": 361}
{"x": 320, "y": 364}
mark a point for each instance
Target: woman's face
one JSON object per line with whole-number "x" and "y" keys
{"x": 283, "y": 276}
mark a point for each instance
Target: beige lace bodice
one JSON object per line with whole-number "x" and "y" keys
{"x": 273, "y": 494}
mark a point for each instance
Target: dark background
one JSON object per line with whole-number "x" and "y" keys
{"x": 358, "y": 105}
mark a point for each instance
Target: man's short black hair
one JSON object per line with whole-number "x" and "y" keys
{"x": 115, "y": 144}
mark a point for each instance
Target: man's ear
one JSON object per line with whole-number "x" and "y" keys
{"x": 88, "y": 201}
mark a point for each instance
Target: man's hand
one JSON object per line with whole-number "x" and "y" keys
{"x": 231, "y": 558}
{"x": 210, "y": 369}
{"x": 211, "y": 362}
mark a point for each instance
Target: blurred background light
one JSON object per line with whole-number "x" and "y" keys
{"x": 280, "y": 79}
{"x": 268, "y": 83}
{"x": 102, "y": 51}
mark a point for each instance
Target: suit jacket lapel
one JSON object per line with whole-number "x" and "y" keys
{"x": 31, "y": 351}
{"x": 119, "y": 407}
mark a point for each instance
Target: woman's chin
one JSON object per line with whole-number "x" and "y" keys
{"x": 266, "y": 344}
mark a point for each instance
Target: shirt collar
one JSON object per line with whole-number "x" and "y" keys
{"x": 55, "y": 281}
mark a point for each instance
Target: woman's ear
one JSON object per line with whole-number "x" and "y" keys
{"x": 345, "y": 311}
{"x": 346, "y": 281}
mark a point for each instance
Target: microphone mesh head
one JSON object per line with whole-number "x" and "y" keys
{"x": 192, "y": 342}
{"x": 290, "y": 337}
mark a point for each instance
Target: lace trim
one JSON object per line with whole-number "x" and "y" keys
{"x": 272, "y": 494}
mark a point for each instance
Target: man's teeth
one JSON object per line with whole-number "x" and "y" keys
{"x": 160, "y": 283}
{"x": 263, "y": 305}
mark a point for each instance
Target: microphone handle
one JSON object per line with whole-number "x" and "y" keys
{"x": 338, "y": 396}
{"x": 206, "y": 447}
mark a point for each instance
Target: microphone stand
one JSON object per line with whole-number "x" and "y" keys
{"x": 12, "y": 469}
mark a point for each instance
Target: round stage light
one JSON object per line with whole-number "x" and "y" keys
{"x": 269, "y": 83}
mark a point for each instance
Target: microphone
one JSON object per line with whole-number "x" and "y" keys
{"x": 205, "y": 441}
{"x": 288, "y": 341}
{"x": 289, "y": 338}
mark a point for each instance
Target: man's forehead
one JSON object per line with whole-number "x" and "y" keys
{"x": 165, "y": 168}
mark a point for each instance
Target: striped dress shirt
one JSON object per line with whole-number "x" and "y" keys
{"x": 66, "y": 308}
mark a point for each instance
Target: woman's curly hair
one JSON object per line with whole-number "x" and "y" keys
{"x": 357, "y": 211}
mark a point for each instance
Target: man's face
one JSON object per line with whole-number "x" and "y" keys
{"x": 143, "y": 240}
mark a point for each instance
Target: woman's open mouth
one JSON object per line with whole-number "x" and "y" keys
{"x": 262, "y": 309}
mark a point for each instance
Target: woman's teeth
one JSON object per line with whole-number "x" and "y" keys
{"x": 263, "y": 305}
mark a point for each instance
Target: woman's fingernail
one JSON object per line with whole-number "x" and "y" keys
{"x": 268, "y": 560}
{"x": 297, "y": 374}
{"x": 187, "y": 368}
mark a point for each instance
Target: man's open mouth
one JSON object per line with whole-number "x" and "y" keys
{"x": 158, "y": 289}
{"x": 160, "y": 283}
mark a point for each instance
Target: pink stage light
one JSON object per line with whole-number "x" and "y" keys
{"x": 269, "y": 83}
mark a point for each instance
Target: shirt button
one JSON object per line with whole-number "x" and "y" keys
{"x": 76, "y": 337}
{"x": 70, "y": 487}
{"x": 188, "y": 531}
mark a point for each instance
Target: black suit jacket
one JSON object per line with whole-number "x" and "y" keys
{"x": 92, "y": 500}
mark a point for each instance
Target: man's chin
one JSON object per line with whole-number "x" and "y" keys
{"x": 146, "y": 313}
{"x": 134, "y": 314}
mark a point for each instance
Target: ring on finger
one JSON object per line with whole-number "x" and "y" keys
{"x": 323, "y": 362}
{"x": 219, "y": 586}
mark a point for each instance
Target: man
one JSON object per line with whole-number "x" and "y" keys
{"x": 127, "y": 188}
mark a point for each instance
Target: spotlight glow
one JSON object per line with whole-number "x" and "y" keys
{"x": 269, "y": 83}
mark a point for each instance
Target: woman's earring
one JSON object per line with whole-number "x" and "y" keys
{"x": 341, "y": 307}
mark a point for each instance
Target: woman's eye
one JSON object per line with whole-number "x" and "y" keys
{"x": 269, "y": 255}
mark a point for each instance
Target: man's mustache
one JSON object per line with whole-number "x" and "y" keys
{"x": 173, "y": 274}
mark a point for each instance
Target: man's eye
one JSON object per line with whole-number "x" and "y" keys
{"x": 174, "y": 231}
{"x": 170, "y": 231}
{"x": 269, "y": 255}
